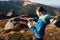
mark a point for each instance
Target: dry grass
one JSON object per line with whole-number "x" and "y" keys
{"x": 24, "y": 33}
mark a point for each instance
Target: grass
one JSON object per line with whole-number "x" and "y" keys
{"x": 24, "y": 33}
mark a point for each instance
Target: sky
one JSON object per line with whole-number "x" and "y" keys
{"x": 4, "y": 0}
{"x": 53, "y": 3}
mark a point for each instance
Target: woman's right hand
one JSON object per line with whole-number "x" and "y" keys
{"x": 29, "y": 24}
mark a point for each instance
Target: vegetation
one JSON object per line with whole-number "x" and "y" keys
{"x": 23, "y": 32}
{"x": 19, "y": 9}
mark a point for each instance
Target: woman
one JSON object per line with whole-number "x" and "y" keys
{"x": 41, "y": 23}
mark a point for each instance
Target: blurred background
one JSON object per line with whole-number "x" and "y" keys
{"x": 25, "y": 9}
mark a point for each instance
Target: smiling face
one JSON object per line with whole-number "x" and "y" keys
{"x": 38, "y": 13}
{"x": 40, "y": 10}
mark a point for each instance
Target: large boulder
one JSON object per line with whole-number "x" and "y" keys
{"x": 11, "y": 24}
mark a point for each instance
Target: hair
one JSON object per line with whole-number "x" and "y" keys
{"x": 41, "y": 9}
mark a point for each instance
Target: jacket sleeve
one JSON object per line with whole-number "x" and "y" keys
{"x": 38, "y": 27}
{"x": 31, "y": 27}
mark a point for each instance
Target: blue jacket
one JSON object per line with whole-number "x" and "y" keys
{"x": 40, "y": 27}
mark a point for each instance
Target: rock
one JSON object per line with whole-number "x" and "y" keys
{"x": 11, "y": 24}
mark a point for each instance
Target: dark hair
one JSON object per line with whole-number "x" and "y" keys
{"x": 41, "y": 9}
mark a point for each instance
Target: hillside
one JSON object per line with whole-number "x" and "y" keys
{"x": 23, "y": 8}
{"x": 26, "y": 9}
{"x": 24, "y": 33}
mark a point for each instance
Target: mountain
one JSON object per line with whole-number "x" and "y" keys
{"x": 49, "y": 9}
{"x": 23, "y": 8}
{"x": 14, "y": 0}
{"x": 6, "y": 6}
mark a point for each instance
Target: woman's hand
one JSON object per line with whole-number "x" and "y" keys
{"x": 29, "y": 24}
{"x": 30, "y": 19}
{"x": 34, "y": 24}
